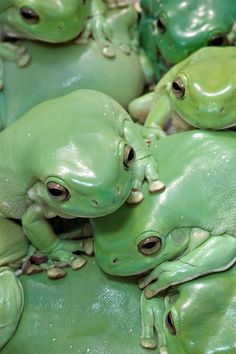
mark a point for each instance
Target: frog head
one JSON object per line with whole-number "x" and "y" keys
{"x": 46, "y": 20}
{"x": 203, "y": 91}
{"x": 82, "y": 165}
{"x": 132, "y": 241}
{"x": 179, "y": 28}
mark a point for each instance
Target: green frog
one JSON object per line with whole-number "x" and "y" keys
{"x": 81, "y": 166}
{"x": 172, "y": 30}
{"x": 183, "y": 233}
{"x": 199, "y": 90}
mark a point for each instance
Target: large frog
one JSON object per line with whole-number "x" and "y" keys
{"x": 183, "y": 233}
{"x": 43, "y": 176}
{"x": 172, "y": 30}
{"x": 200, "y": 90}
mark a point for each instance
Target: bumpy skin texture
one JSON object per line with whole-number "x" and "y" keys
{"x": 185, "y": 232}
{"x": 200, "y": 90}
{"x": 175, "y": 29}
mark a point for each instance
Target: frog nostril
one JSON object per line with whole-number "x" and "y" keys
{"x": 94, "y": 203}
{"x": 115, "y": 260}
{"x": 222, "y": 109}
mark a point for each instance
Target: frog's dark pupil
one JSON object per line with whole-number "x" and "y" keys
{"x": 176, "y": 86}
{"x": 29, "y": 15}
{"x": 130, "y": 155}
{"x": 55, "y": 192}
{"x": 216, "y": 40}
{"x": 161, "y": 25}
{"x": 149, "y": 245}
{"x": 170, "y": 323}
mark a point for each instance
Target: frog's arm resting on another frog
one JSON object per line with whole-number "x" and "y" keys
{"x": 145, "y": 166}
{"x": 155, "y": 107}
{"x": 205, "y": 254}
{"x": 36, "y": 227}
{"x": 111, "y": 27}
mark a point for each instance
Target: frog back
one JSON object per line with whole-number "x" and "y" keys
{"x": 198, "y": 171}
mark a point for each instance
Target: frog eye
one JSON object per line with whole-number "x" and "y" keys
{"x": 170, "y": 323}
{"x": 161, "y": 24}
{"x": 217, "y": 40}
{"x": 149, "y": 245}
{"x": 178, "y": 88}
{"x": 29, "y": 15}
{"x": 58, "y": 191}
{"x": 129, "y": 156}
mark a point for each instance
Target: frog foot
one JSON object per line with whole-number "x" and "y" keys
{"x": 11, "y": 304}
{"x": 15, "y": 53}
{"x": 63, "y": 252}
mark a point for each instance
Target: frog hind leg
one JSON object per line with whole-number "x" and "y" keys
{"x": 11, "y": 304}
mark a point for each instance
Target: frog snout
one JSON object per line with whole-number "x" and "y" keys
{"x": 211, "y": 108}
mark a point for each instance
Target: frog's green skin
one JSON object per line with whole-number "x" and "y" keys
{"x": 192, "y": 318}
{"x": 192, "y": 220}
{"x": 78, "y": 67}
{"x": 200, "y": 90}
{"x": 13, "y": 247}
{"x": 97, "y": 132}
{"x": 49, "y": 21}
{"x": 117, "y": 25}
{"x": 56, "y": 21}
{"x": 172, "y": 30}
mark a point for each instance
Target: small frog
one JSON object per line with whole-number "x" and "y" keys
{"x": 200, "y": 90}
{"x": 170, "y": 30}
{"x": 188, "y": 230}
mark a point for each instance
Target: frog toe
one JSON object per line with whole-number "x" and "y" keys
{"x": 78, "y": 263}
{"x": 88, "y": 246}
{"x": 148, "y": 343}
{"x": 11, "y": 304}
{"x": 135, "y": 197}
{"x": 163, "y": 350}
{"x": 108, "y": 52}
{"x": 156, "y": 186}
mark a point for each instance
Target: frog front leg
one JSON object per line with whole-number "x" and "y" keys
{"x": 41, "y": 235}
{"x": 144, "y": 166}
{"x": 217, "y": 254}
{"x": 152, "y": 315}
{"x": 96, "y": 28}
{"x": 11, "y": 52}
{"x": 157, "y": 118}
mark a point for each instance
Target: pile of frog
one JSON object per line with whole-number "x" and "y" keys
{"x": 145, "y": 191}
